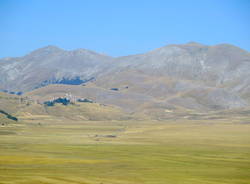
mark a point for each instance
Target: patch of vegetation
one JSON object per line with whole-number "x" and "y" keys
{"x": 69, "y": 81}
{"x": 64, "y": 101}
{"x": 74, "y": 81}
{"x": 12, "y": 92}
{"x": 49, "y": 103}
{"x": 19, "y": 93}
{"x": 85, "y": 100}
{"x": 8, "y": 115}
{"x": 114, "y": 89}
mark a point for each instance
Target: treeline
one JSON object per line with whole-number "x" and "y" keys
{"x": 8, "y": 115}
{"x": 65, "y": 101}
{"x": 12, "y": 92}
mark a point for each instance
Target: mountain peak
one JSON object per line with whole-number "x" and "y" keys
{"x": 195, "y": 44}
{"x": 50, "y": 49}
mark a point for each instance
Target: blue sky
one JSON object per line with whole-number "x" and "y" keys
{"x": 120, "y": 27}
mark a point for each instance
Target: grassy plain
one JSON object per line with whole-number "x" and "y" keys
{"x": 125, "y": 152}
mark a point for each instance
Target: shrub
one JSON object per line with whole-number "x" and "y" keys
{"x": 85, "y": 100}
{"x": 114, "y": 89}
{"x": 63, "y": 101}
{"x": 8, "y": 115}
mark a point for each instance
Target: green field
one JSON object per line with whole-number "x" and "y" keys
{"x": 125, "y": 152}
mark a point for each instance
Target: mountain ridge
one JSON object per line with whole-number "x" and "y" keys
{"x": 190, "y": 75}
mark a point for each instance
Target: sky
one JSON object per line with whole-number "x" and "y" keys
{"x": 120, "y": 27}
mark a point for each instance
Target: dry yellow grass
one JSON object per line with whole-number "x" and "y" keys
{"x": 60, "y": 151}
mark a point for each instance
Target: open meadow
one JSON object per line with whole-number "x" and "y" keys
{"x": 125, "y": 152}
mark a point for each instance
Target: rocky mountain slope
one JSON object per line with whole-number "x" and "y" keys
{"x": 189, "y": 76}
{"x": 50, "y": 65}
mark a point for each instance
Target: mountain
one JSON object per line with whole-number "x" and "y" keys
{"x": 51, "y": 65}
{"x": 188, "y": 76}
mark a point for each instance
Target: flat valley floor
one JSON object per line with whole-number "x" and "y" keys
{"x": 125, "y": 152}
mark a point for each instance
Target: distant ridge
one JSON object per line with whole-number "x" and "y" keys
{"x": 191, "y": 75}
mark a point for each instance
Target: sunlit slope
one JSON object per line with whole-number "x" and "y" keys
{"x": 192, "y": 76}
{"x": 77, "y": 111}
{"x": 24, "y": 107}
{"x": 9, "y": 103}
{"x": 108, "y": 105}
